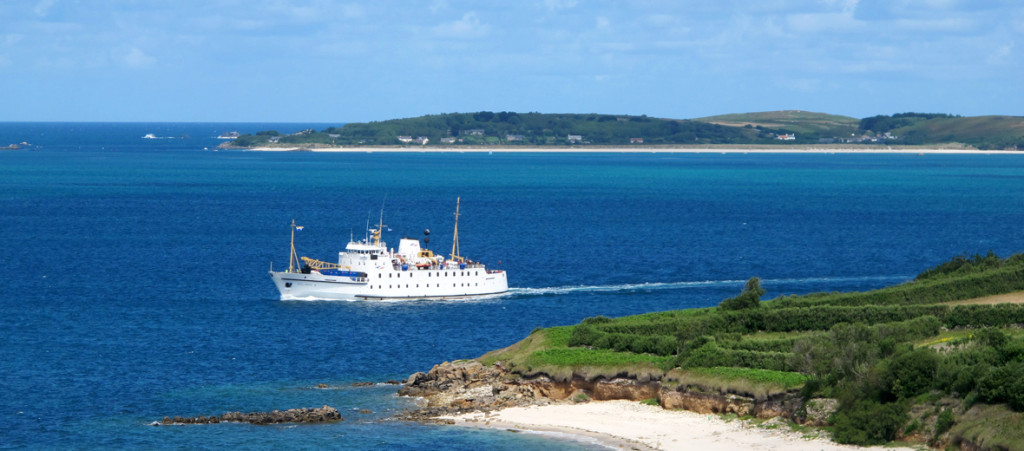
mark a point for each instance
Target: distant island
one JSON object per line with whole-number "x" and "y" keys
{"x": 938, "y": 360}
{"x": 775, "y": 128}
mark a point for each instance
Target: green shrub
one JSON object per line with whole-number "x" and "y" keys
{"x": 868, "y": 423}
{"x": 911, "y": 373}
{"x": 944, "y": 422}
{"x": 750, "y": 297}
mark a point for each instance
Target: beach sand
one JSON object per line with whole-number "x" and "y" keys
{"x": 640, "y": 149}
{"x": 632, "y": 425}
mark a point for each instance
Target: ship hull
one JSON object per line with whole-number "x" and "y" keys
{"x": 392, "y": 285}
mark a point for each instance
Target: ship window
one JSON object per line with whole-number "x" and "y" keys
{"x": 287, "y": 284}
{"x": 389, "y": 275}
{"x": 379, "y": 275}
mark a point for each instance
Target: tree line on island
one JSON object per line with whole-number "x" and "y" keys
{"x": 486, "y": 128}
{"x": 911, "y": 361}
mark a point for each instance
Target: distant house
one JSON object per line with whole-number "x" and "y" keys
{"x": 575, "y": 138}
{"x": 421, "y": 140}
{"x": 405, "y": 139}
{"x": 513, "y": 137}
{"x": 785, "y": 137}
{"x": 636, "y": 140}
{"x": 448, "y": 140}
{"x": 472, "y": 132}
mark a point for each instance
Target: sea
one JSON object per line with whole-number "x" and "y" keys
{"x": 135, "y": 270}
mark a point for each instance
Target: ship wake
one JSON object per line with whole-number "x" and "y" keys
{"x": 819, "y": 283}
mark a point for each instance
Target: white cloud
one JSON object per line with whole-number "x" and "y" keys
{"x": 467, "y": 27}
{"x": 603, "y": 22}
{"x": 137, "y": 58}
{"x": 42, "y": 9}
{"x": 1001, "y": 53}
{"x": 556, "y": 5}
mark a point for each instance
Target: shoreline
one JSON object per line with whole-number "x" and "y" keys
{"x": 667, "y": 149}
{"x": 633, "y": 425}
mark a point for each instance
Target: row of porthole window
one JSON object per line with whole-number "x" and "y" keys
{"x": 381, "y": 287}
{"x": 381, "y": 275}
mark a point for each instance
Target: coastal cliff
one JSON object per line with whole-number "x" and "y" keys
{"x": 453, "y": 388}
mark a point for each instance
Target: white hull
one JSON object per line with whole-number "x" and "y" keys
{"x": 368, "y": 270}
{"x": 388, "y": 283}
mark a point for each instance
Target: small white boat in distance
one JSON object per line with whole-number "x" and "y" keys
{"x": 367, "y": 270}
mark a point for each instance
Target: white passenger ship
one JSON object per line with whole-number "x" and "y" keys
{"x": 367, "y": 270}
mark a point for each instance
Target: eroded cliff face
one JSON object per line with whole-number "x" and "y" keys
{"x": 459, "y": 387}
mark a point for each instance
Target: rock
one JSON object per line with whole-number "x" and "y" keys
{"x": 325, "y": 414}
{"x": 819, "y": 410}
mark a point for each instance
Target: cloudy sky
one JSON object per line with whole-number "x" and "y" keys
{"x": 347, "y": 61}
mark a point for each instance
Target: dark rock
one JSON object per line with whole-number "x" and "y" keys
{"x": 325, "y": 414}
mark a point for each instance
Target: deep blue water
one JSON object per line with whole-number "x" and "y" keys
{"x": 135, "y": 271}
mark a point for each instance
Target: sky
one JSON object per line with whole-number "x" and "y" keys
{"x": 358, "y": 61}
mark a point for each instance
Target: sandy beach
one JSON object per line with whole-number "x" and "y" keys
{"x": 642, "y": 149}
{"x": 632, "y": 425}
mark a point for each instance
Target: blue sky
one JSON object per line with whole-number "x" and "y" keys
{"x": 337, "y": 61}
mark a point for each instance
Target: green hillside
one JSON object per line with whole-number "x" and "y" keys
{"x": 908, "y": 360}
{"x": 800, "y": 122}
{"x": 985, "y": 132}
{"x": 528, "y": 129}
{"x": 504, "y": 128}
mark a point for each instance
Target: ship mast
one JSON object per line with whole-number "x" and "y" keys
{"x": 380, "y": 227}
{"x": 294, "y": 258}
{"x": 455, "y": 238}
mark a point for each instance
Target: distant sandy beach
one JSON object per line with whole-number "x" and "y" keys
{"x": 632, "y": 425}
{"x": 642, "y": 149}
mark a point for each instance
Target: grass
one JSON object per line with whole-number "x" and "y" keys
{"x": 990, "y": 427}
{"x": 795, "y": 120}
{"x": 546, "y": 351}
{"x": 757, "y": 383}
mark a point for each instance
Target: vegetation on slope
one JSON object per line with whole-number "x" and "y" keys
{"x": 486, "y": 128}
{"x": 790, "y": 121}
{"x": 528, "y": 129}
{"x": 886, "y": 354}
{"x": 982, "y": 132}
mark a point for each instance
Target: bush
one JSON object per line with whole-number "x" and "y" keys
{"x": 750, "y": 297}
{"x": 911, "y": 373}
{"x": 868, "y": 423}
{"x": 944, "y": 422}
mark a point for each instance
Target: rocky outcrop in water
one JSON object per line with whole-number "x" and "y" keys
{"x": 325, "y": 414}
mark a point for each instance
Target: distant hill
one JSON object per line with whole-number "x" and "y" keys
{"x": 983, "y": 132}
{"x": 794, "y": 121}
{"x": 788, "y": 127}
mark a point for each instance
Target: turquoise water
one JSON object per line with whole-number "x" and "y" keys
{"x": 135, "y": 281}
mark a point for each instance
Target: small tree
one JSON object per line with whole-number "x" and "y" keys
{"x": 749, "y": 298}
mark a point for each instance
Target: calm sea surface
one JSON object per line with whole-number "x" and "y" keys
{"x": 135, "y": 270}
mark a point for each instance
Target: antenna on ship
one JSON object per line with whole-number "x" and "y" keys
{"x": 455, "y": 238}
